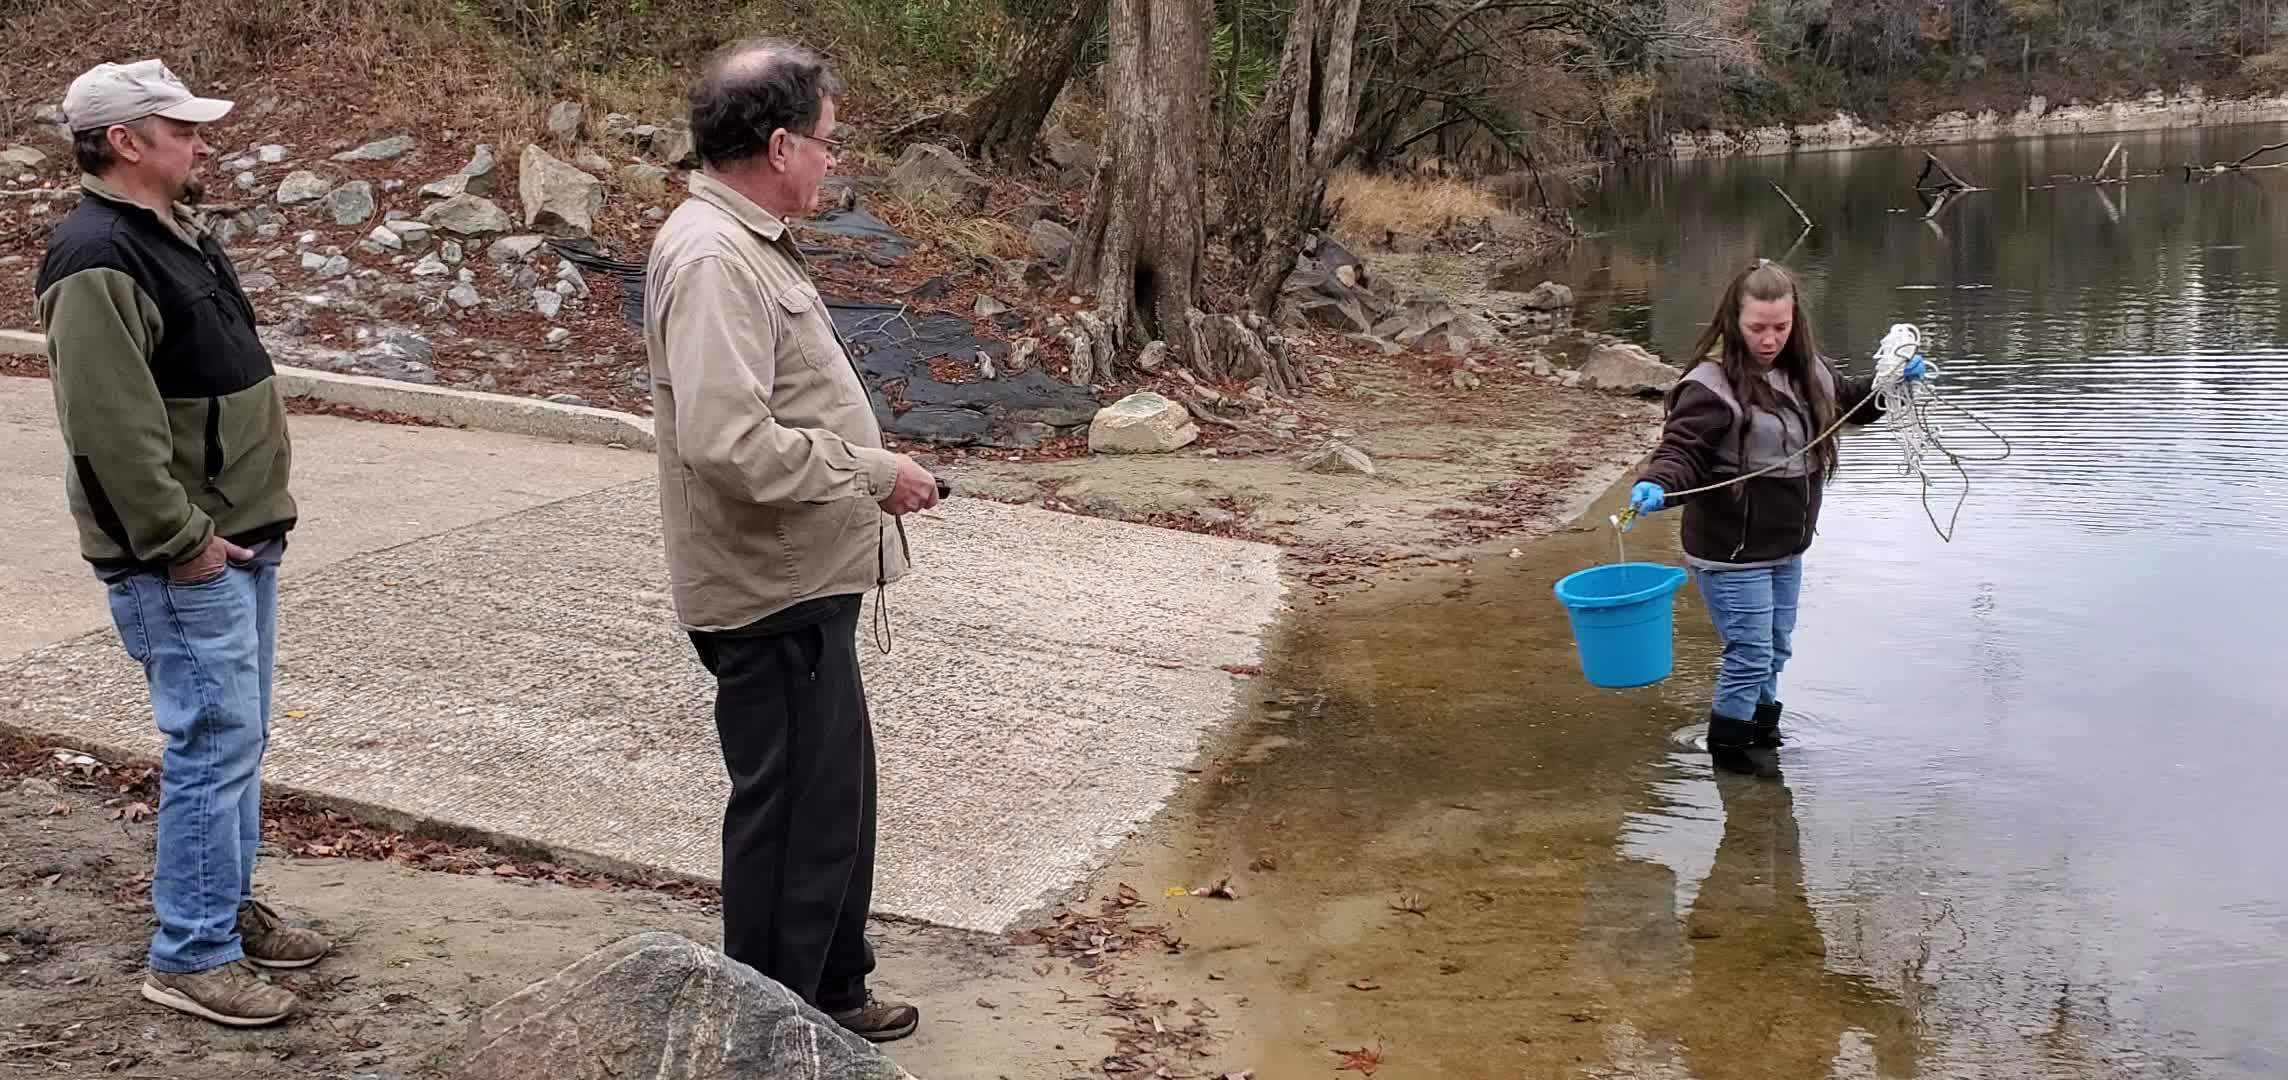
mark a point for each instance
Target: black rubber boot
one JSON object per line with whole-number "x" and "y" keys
{"x": 1767, "y": 726}
{"x": 1729, "y": 741}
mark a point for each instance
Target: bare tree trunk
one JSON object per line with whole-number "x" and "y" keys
{"x": 1141, "y": 241}
{"x": 1278, "y": 177}
{"x": 1004, "y": 124}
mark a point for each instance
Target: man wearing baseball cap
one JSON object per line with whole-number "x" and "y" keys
{"x": 179, "y": 458}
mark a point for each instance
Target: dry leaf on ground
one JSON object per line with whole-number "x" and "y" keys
{"x": 1362, "y": 1060}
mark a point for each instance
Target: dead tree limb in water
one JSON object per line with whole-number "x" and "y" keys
{"x": 1936, "y": 199}
{"x": 1953, "y": 182}
{"x": 2237, "y": 166}
{"x": 1792, "y": 204}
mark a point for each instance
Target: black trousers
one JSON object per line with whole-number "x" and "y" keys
{"x": 798, "y": 833}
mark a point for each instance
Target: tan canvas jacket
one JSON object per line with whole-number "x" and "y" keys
{"x": 771, "y": 464}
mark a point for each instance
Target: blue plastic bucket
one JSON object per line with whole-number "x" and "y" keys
{"x": 1624, "y": 622}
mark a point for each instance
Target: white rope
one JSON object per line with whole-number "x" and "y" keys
{"x": 1907, "y": 408}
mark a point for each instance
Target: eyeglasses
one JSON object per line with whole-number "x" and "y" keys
{"x": 833, "y": 144}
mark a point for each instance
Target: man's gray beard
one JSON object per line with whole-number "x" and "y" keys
{"x": 193, "y": 190}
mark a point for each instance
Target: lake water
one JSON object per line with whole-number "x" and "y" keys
{"x": 2063, "y": 730}
{"x": 2030, "y": 824}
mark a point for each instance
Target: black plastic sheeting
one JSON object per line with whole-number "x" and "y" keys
{"x": 894, "y": 348}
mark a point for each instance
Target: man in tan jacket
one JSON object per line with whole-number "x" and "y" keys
{"x": 778, "y": 505}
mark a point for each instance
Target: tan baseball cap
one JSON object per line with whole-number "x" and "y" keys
{"x": 108, "y": 94}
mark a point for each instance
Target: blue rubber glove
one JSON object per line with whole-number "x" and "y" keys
{"x": 1915, "y": 369}
{"x": 1646, "y": 497}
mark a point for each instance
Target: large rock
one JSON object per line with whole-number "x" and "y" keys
{"x": 558, "y": 199}
{"x": 1141, "y": 423}
{"x": 1338, "y": 458}
{"x": 350, "y": 204}
{"x": 302, "y": 187}
{"x": 674, "y": 146}
{"x": 1548, "y": 296}
{"x": 564, "y": 121}
{"x": 395, "y": 146}
{"x": 928, "y": 167}
{"x": 22, "y": 157}
{"x": 1628, "y": 369}
{"x": 467, "y": 215}
{"x": 1051, "y": 241}
{"x": 1075, "y": 160}
{"x": 661, "y": 1007}
{"x": 1518, "y": 275}
{"x": 515, "y": 249}
{"x": 644, "y": 179}
{"x": 475, "y": 178}
{"x": 48, "y": 120}
{"x": 477, "y": 175}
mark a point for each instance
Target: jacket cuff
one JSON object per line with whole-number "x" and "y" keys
{"x": 881, "y": 470}
{"x": 189, "y": 543}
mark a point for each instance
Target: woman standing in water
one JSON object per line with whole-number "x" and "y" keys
{"x": 1755, "y": 398}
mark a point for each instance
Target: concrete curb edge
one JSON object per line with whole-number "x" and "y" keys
{"x": 481, "y": 411}
{"x": 508, "y": 845}
{"x": 504, "y": 413}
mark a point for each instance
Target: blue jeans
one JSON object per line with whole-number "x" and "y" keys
{"x": 206, "y": 651}
{"x": 1754, "y": 615}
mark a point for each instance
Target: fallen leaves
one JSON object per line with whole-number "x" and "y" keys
{"x": 61, "y": 809}
{"x": 1263, "y": 864}
{"x": 1365, "y": 1060}
{"x": 1364, "y": 984}
{"x": 132, "y": 812}
{"x": 1411, "y": 904}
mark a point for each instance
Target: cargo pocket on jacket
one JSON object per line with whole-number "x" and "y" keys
{"x": 805, "y": 312}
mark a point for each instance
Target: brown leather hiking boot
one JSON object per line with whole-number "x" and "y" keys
{"x": 231, "y": 994}
{"x": 273, "y": 944}
{"x": 879, "y": 1021}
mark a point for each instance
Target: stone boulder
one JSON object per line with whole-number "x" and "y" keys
{"x": 1142, "y": 423}
{"x": 22, "y": 157}
{"x": 1075, "y": 160}
{"x": 665, "y": 1008}
{"x": 475, "y": 178}
{"x": 644, "y": 179}
{"x": 1338, "y": 458}
{"x": 48, "y": 120}
{"x": 1548, "y": 296}
{"x": 564, "y": 121}
{"x": 558, "y": 199}
{"x": 927, "y": 167}
{"x": 515, "y": 249}
{"x": 1627, "y": 369}
{"x": 395, "y": 146}
{"x": 1051, "y": 241}
{"x": 350, "y": 204}
{"x": 467, "y": 215}
{"x": 1316, "y": 295}
{"x": 674, "y": 145}
{"x": 1518, "y": 275}
{"x": 1038, "y": 208}
{"x": 303, "y": 186}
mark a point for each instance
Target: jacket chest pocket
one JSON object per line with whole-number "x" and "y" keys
{"x": 809, "y": 336}
{"x": 810, "y": 342}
